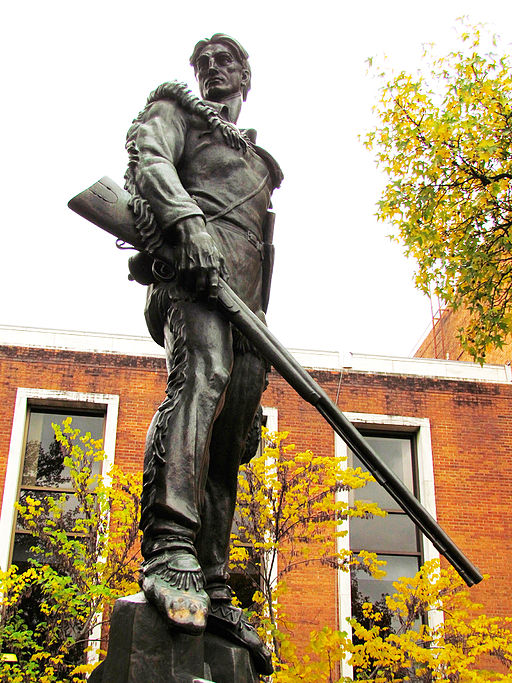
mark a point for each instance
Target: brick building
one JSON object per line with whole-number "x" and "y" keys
{"x": 444, "y": 426}
{"x": 442, "y": 341}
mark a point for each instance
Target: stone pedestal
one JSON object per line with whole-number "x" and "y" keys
{"x": 142, "y": 648}
{"x": 228, "y": 663}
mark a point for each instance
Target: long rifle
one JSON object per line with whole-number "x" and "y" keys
{"x": 106, "y": 205}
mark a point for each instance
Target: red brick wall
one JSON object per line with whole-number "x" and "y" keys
{"x": 443, "y": 341}
{"x": 471, "y": 440}
{"x": 471, "y": 430}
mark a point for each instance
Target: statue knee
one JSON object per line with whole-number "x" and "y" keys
{"x": 217, "y": 377}
{"x": 209, "y": 369}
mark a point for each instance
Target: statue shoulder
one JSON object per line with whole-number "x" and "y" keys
{"x": 168, "y": 101}
{"x": 273, "y": 167}
{"x": 167, "y": 110}
{"x": 177, "y": 94}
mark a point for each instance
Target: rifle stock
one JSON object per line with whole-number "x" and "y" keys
{"x": 106, "y": 205}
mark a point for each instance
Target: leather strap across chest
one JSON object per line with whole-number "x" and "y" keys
{"x": 238, "y": 202}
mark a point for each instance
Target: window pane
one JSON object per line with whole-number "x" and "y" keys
{"x": 395, "y": 532}
{"x": 371, "y": 590}
{"x": 396, "y": 453}
{"x": 367, "y": 589}
{"x": 44, "y": 456}
{"x": 69, "y": 506}
{"x": 21, "y": 550}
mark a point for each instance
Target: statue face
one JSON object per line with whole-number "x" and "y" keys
{"x": 219, "y": 74}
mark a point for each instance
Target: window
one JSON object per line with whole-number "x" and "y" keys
{"x": 43, "y": 471}
{"x": 405, "y": 444}
{"x": 28, "y": 469}
{"x": 394, "y": 538}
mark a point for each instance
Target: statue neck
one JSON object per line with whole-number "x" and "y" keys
{"x": 234, "y": 106}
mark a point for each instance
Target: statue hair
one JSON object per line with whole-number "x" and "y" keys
{"x": 239, "y": 52}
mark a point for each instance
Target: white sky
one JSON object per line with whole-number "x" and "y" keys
{"x": 76, "y": 74}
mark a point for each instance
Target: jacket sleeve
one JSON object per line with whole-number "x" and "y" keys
{"x": 160, "y": 141}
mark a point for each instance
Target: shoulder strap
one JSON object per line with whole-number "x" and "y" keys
{"x": 239, "y": 202}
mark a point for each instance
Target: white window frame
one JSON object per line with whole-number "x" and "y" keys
{"x": 272, "y": 425}
{"x": 271, "y": 415}
{"x": 420, "y": 427}
{"x": 52, "y": 398}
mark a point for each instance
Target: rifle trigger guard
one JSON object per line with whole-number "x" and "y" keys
{"x": 121, "y": 244}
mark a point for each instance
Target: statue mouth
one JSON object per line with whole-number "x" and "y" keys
{"x": 214, "y": 80}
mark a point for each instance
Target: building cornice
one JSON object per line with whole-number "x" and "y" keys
{"x": 132, "y": 345}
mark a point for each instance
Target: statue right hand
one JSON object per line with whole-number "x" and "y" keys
{"x": 199, "y": 263}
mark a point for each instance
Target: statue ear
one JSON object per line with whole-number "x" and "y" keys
{"x": 245, "y": 77}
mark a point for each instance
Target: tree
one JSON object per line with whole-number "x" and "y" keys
{"x": 444, "y": 140}
{"x": 288, "y": 505}
{"x": 85, "y": 557}
{"x": 289, "y": 509}
{"x": 451, "y": 651}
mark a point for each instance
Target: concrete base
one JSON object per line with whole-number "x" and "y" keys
{"x": 143, "y": 648}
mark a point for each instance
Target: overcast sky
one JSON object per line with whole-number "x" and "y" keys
{"x": 77, "y": 73}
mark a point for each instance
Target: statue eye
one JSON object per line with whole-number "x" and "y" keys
{"x": 224, "y": 58}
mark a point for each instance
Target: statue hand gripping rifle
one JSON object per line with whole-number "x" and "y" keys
{"x": 199, "y": 192}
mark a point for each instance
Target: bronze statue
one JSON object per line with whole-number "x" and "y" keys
{"x": 203, "y": 186}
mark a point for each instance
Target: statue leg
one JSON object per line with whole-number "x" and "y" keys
{"x": 199, "y": 359}
{"x": 226, "y": 450}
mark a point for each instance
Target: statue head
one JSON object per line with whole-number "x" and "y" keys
{"x": 221, "y": 67}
